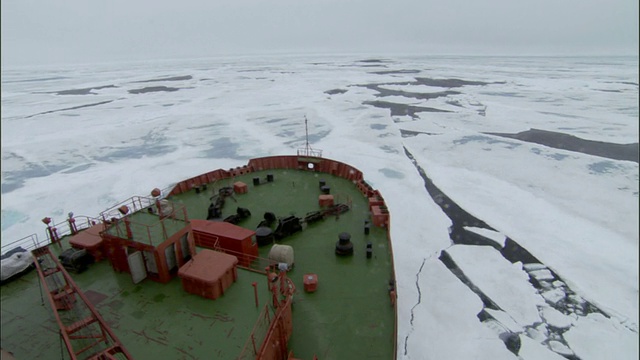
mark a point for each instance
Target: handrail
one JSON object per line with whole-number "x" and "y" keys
{"x": 257, "y": 264}
{"x": 164, "y": 209}
{"x": 133, "y": 204}
{"x": 29, "y": 243}
{"x": 256, "y": 347}
{"x": 285, "y": 305}
{"x": 310, "y": 152}
{"x": 65, "y": 228}
{"x": 62, "y": 229}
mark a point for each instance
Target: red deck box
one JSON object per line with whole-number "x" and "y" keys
{"x": 89, "y": 240}
{"x": 232, "y": 239}
{"x": 325, "y": 200}
{"x": 310, "y": 282}
{"x": 209, "y": 273}
{"x": 239, "y": 187}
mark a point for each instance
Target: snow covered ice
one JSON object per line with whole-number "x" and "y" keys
{"x": 504, "y": 248}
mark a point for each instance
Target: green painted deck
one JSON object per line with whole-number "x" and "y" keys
{"x": 350, "y": 316}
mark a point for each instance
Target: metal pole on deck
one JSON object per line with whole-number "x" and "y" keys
{"x": 255, "y": 291}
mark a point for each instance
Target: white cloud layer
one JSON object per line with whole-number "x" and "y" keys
{"x": 45, "y": 32}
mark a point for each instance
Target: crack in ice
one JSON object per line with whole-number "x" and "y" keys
{"x": 406, "y": 339}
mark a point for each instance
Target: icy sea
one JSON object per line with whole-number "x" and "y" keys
{"x": 512, "y": 182}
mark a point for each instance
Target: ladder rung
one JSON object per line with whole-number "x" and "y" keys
{"x": 108, "y": 353}
{"x": 89, "y": 346}
{"x": 50, "y": 271}
{"x": 85, "y": 337}
{"x": 66, "y": 292}
{"x": 80, "y": 324}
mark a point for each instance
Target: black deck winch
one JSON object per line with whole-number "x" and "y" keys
{"x": 241, "y": 214}
{"x": 313, "y": 216}
{"x": 264, "y": 236}
{"x": 287, "y": 226}
{"x": 269, "y": 219}
{"x": 217, "y": 202}
{"x": 76, "y": 260}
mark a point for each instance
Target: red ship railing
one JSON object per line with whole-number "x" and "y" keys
{"x": 271, "y": 333}
{"x": 146, "y": 233}
{"x": 28, "y": 243}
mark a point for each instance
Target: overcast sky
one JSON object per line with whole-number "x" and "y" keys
{"x": 81, "y": 31}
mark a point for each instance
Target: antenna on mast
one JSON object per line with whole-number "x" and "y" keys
{"x": 306, "y": 132}
{"x": 308, "y": 151}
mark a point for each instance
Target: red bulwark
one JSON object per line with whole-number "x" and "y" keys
{"x": 375, "y": 201}
{"x": 89, "y": 240}
{"x": 239, "y": 187}
{"x": 325, "y": 200}
{"x": 209, "y": 273}
{"x": 380, "y": 216}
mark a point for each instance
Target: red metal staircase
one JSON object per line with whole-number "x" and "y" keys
{"x": 85, "y": 333}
